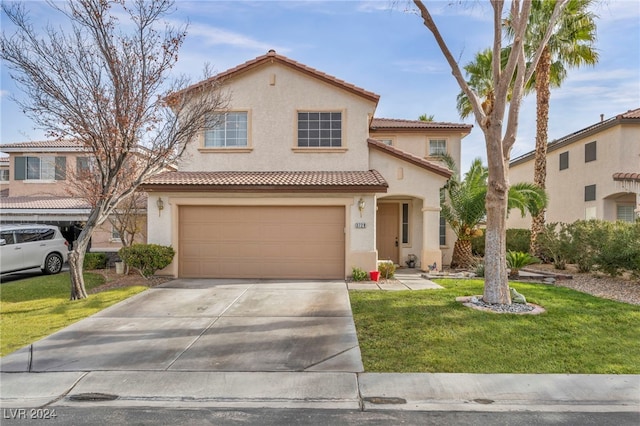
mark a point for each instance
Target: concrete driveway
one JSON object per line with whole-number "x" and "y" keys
{"x": 208, "y": 325}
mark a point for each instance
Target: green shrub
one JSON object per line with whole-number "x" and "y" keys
{"x": 517, "y": 260}
{"x": 618, "y": 248}
{"x": 95, "y": 261}
{"x": 593, "y": 245}
{"x": 479, "y": 270}
{"x": 358, "y": 274}
{"x": 147, "y": 258}
{"x": 517, "y": 240}
{"x": 387, "y": 269}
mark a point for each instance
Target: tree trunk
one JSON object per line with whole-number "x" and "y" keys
{"x": 76, "y": 260}
{"x": 462, "y": 254}
{"x": 543, "y": 94}
{"x": 496, "y": 282}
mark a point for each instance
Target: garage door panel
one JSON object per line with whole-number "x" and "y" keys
{"x": 261, "y": 242}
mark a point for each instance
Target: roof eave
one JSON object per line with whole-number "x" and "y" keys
{"x": 151, "y": 187}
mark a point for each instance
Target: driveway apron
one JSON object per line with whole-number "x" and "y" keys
{"x": 208, "y": 325}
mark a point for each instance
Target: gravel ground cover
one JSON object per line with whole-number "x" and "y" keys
{"x": 622, "y": 289}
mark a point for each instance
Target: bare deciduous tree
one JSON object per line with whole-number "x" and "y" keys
{"x": 498, "y": 120}
{"x": 106, "y": 83}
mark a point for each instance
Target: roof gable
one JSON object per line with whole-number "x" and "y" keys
{"x": 410, "y": 158}
{"x": 273, "y": 57}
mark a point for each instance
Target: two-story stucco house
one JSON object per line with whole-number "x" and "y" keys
{"x": 39, "y": 191}
{"x": 301, "y": 181}
{"x": 593, "y": 173}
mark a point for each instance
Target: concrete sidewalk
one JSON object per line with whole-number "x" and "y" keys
{"x": 327, "y": 390}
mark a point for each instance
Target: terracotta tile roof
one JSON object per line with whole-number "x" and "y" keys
{"x": 47, "y": 203}
{"x": 632, "y": 113}
{"x": 631, "y": 116}
{"x": 627, "y": 176}
{"x": 394, "y": 123}
{"x": 50, "y": 145}
{"x": 272, "y": 56}
{"x": 297, "y": 181}
{"x": 413, "y": 159}
{"x": 4, "y": 161}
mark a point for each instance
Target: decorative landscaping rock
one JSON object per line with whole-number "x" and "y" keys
{"x": 476, "y": 302}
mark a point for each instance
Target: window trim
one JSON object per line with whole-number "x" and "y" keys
{"x": 320, "y": 149}
{"x": 228, "y": 149}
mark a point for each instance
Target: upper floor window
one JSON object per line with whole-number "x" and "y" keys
{"x": 4, "y": 175}
{"x": 320, "y": 129}
{"x": 387, "y": 141}
{"x": 564, "y": 160}
{"x": 230, "y": 131}
{"x": 590, "y": 152}
{"x": 437, "y": 147}
{"x": 40, "y": 168}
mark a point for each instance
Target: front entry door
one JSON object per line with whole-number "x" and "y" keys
{"x": 387, "y": 230}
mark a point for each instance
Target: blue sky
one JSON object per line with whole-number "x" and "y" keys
{"x": 382, "y": 46}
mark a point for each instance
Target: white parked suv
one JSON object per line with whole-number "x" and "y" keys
{"x": 32, "y": 246}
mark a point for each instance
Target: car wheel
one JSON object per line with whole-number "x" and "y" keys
{"x": 52, "y": 264}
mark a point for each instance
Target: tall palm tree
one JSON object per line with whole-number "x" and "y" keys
{"x": 570, "y": 46}
{"x": 463, "y": 207}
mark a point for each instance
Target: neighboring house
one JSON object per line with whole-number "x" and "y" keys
{"x": 301, "y": 181}
{"x": 4, "y": 176}
{"x": 38, "y": 186}
{"x": 593, "y": 173}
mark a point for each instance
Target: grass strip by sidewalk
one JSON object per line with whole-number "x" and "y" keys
{"x": 36, "y": 307}
{"x": 428, "y": 331}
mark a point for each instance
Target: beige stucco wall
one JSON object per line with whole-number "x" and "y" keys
{"x": 410, "y": 182}
{"x": 359, "y": 243}
{"x": 617, "y": 150}
{"x": 272, "y": 125}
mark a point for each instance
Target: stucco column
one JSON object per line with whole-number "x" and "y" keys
{"x": 430, "y": 238}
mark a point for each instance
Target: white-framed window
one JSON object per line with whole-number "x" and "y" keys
{"x": 230, "y": 131}
{"x": 42, "y": 168}
{"x": 387, "y": 141}
{"x": 625, "y": 213}
{"x": 319, "y": 129}
{"x": 437, "y": 147}
{"x": 4, "y": 175}
{"x": 405, "y": 223}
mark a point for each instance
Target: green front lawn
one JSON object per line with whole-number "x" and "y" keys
{"x": 428, "y": 331}
{"x": 36, "y": 307}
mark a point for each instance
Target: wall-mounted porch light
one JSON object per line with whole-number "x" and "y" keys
{"x": 361, "y": 205}
{"x": 160, "y": 205}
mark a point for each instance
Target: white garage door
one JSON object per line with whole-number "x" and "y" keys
{"x": 261, "y": 242}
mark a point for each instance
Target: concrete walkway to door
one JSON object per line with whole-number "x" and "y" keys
{"x": 208, "y": 325}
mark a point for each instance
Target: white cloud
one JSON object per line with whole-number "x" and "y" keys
{"x": 4, "y": 93}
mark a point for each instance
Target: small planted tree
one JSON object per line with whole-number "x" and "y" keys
{"x": 105, "y": 83}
